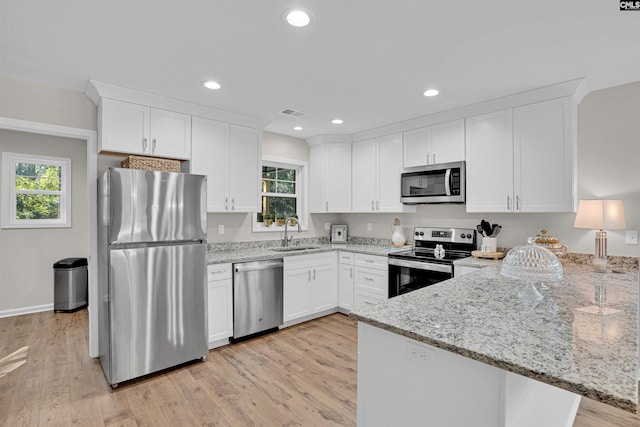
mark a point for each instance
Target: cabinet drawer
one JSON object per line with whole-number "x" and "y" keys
{"x": 219, "y": 272}
{"x": 372, "y": 280}
{"x": 310, "y": 260}
{"x": 346, "y": 257}
{"x": 364, "y": 298}
{"x": 371, "y": 261}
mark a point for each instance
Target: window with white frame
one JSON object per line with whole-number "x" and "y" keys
{"x": 36, "y": 191}
{"x": 283, "y": 184}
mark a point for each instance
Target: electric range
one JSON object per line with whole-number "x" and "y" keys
{"x": 431, "y": 260}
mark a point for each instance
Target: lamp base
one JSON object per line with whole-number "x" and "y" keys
{"x": 599, "y": 264}
{"x": 600, "y": 311}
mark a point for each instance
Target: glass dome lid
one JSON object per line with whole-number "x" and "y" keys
{"x": 532, "y": 263}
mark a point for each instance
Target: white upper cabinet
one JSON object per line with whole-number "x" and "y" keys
{"x": 230, "y": 157}
{"x": 330, "y": 177}
{"x": 377, "y": 165}
{"x": 137, "y": 129}
{"x": 522, "y": 159}
{"x": 441, "y": 143}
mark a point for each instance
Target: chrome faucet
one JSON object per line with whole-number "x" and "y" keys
{"x": 286, "y": 240}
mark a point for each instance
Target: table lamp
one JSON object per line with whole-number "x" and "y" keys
{"x": 600, "y": 215}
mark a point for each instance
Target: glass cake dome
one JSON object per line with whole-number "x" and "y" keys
{"x": 532, "y": 263}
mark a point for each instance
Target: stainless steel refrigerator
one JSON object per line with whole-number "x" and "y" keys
{"x": 152, "y": 271}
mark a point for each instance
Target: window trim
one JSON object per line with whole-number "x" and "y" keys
{"x": 9, "y": 219}
{"x": 302, "y": 188}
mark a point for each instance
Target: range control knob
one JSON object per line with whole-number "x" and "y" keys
{"x": 468, "y": 236}
{"x": 462, "y": 236}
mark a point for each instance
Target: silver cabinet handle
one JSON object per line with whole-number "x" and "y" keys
{"x": 508, "y": 202}
{"x": 153, "y": 146}
{"x": 351, "y": 273}
{"x": 368, "y": 279}
{"x": 314, "y": 274}
{"x": 377, "y": 205}
{"x": 368, "y": 260}
{"x": 233, "y": 203}
{"x": 226, "y": 203}
{"x": 373, "y": 206}
{"x": 326, "y": 206}
{"x": 309, "y": 279}
{"x": 434, "y": 158}
{"x": 518, "y": 203}
{"x": 144, "y": 144}
{"x": 427, "y": 158}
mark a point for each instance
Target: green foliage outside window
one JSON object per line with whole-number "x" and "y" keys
{"x": 37, "y": 191}
{"x": 278, "y": 192}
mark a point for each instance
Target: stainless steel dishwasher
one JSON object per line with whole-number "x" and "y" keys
{"x": 257, "y": 297}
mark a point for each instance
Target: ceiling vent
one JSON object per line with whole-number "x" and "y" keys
{"x": 291, "y": 112}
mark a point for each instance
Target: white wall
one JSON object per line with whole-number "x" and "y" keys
{"x": 608, "y": 167}
{"x": 27, "y": 255}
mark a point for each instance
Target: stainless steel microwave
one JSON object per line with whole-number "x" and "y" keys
{"x": 439, "y": 183}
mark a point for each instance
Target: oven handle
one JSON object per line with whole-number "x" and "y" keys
{"x": 442, "y": 268}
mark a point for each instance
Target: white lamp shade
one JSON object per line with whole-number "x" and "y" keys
{"x": 600, "y": 215}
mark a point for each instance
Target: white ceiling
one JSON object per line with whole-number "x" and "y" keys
{"x": 367, "y": 62}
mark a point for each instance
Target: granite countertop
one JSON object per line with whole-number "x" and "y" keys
{"x": 254, "y": 251}
{"x": 535, "y": 330}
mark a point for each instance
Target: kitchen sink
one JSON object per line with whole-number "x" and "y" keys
{"x": 293, "y": 248}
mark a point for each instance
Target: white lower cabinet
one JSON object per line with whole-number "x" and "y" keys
{"x": 371, "y": 281}
{"x": 220, "y": 304}
{"x": 310, "y": 286}
{"x": 346, "y": 280}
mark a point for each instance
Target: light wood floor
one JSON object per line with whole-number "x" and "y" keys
{"x": 304, "y": 375}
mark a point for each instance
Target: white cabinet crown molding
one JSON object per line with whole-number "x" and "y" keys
{"x": 96, "y": 90}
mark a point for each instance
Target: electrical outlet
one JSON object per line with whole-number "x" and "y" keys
{"x": 220, "y": 228}
{"x": 327, "y": 226}
{"x": 422, "y": 356}
{"x": 632, "y": 237}
{"x": 369, "y": 226}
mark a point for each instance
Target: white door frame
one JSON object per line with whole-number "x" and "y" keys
{"x": 91, "y": 138}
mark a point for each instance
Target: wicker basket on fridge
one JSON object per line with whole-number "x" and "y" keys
{"x": 151, "y": 164}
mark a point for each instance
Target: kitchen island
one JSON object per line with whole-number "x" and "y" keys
{"x": 482, "y": 349}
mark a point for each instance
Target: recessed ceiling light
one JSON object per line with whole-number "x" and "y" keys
{"x": 298, "y": 18}
{"x": 210, "y": 84}
{"x": 431, "y": 92}
{"x": 337, "y": 121}
{"x": 297, "y": 128}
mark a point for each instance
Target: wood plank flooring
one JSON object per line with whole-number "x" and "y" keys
{"x": 304, "y": 375}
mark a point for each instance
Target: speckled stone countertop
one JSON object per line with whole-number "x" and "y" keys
{"x": 261, "y": 250}
{"x": 535, "y": 330}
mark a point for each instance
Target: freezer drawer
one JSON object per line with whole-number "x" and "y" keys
{"x": 257, "y": 297}
{"x": 156, "y": 310}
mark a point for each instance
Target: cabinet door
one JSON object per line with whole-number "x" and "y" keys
{"x": 297, "y": 300}
{"x": 220, "y": 310}
{"x": 389, "y": 170}
{"x": 364, "y": 176}
{"x": 170, "y": 134}
{"x": 416, "y": 146}
{"x": 245, "y": 154}
{"x": 209, "y": 153}
{"x": 543, "y": 155}
{"x": 324, "y": 288}
{"x": 489, "y": 155}
{"x": 345, "y": 283}
{"x": 124, "y": 127}
{"x": 338, "y": 178}
{"x": 447, "y": 142}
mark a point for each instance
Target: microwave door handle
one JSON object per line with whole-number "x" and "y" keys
{"x": 447, "y": 182}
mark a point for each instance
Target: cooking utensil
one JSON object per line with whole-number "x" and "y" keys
{"x": 479, "y": 228}
{"x": 486, "y": 227}
{"x": 496, "y": 230}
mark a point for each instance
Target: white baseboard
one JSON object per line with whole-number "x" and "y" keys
{"x": 26, "y": 310}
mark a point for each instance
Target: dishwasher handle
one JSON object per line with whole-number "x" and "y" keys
{"x": 257, "y": 265}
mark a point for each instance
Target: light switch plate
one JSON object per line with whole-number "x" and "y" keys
{"x": 327, "y": 226}
{"x": 632, "y": 237}
{"x": 369, "y": 226}
{"x": 220, "y": 228}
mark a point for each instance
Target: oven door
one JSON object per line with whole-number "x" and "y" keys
{"x": 406, "y": 276}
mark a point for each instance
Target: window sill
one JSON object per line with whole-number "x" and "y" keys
{"x": 259, "y": 227}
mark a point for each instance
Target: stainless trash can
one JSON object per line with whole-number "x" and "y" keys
{"x": 70, "y": 277}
